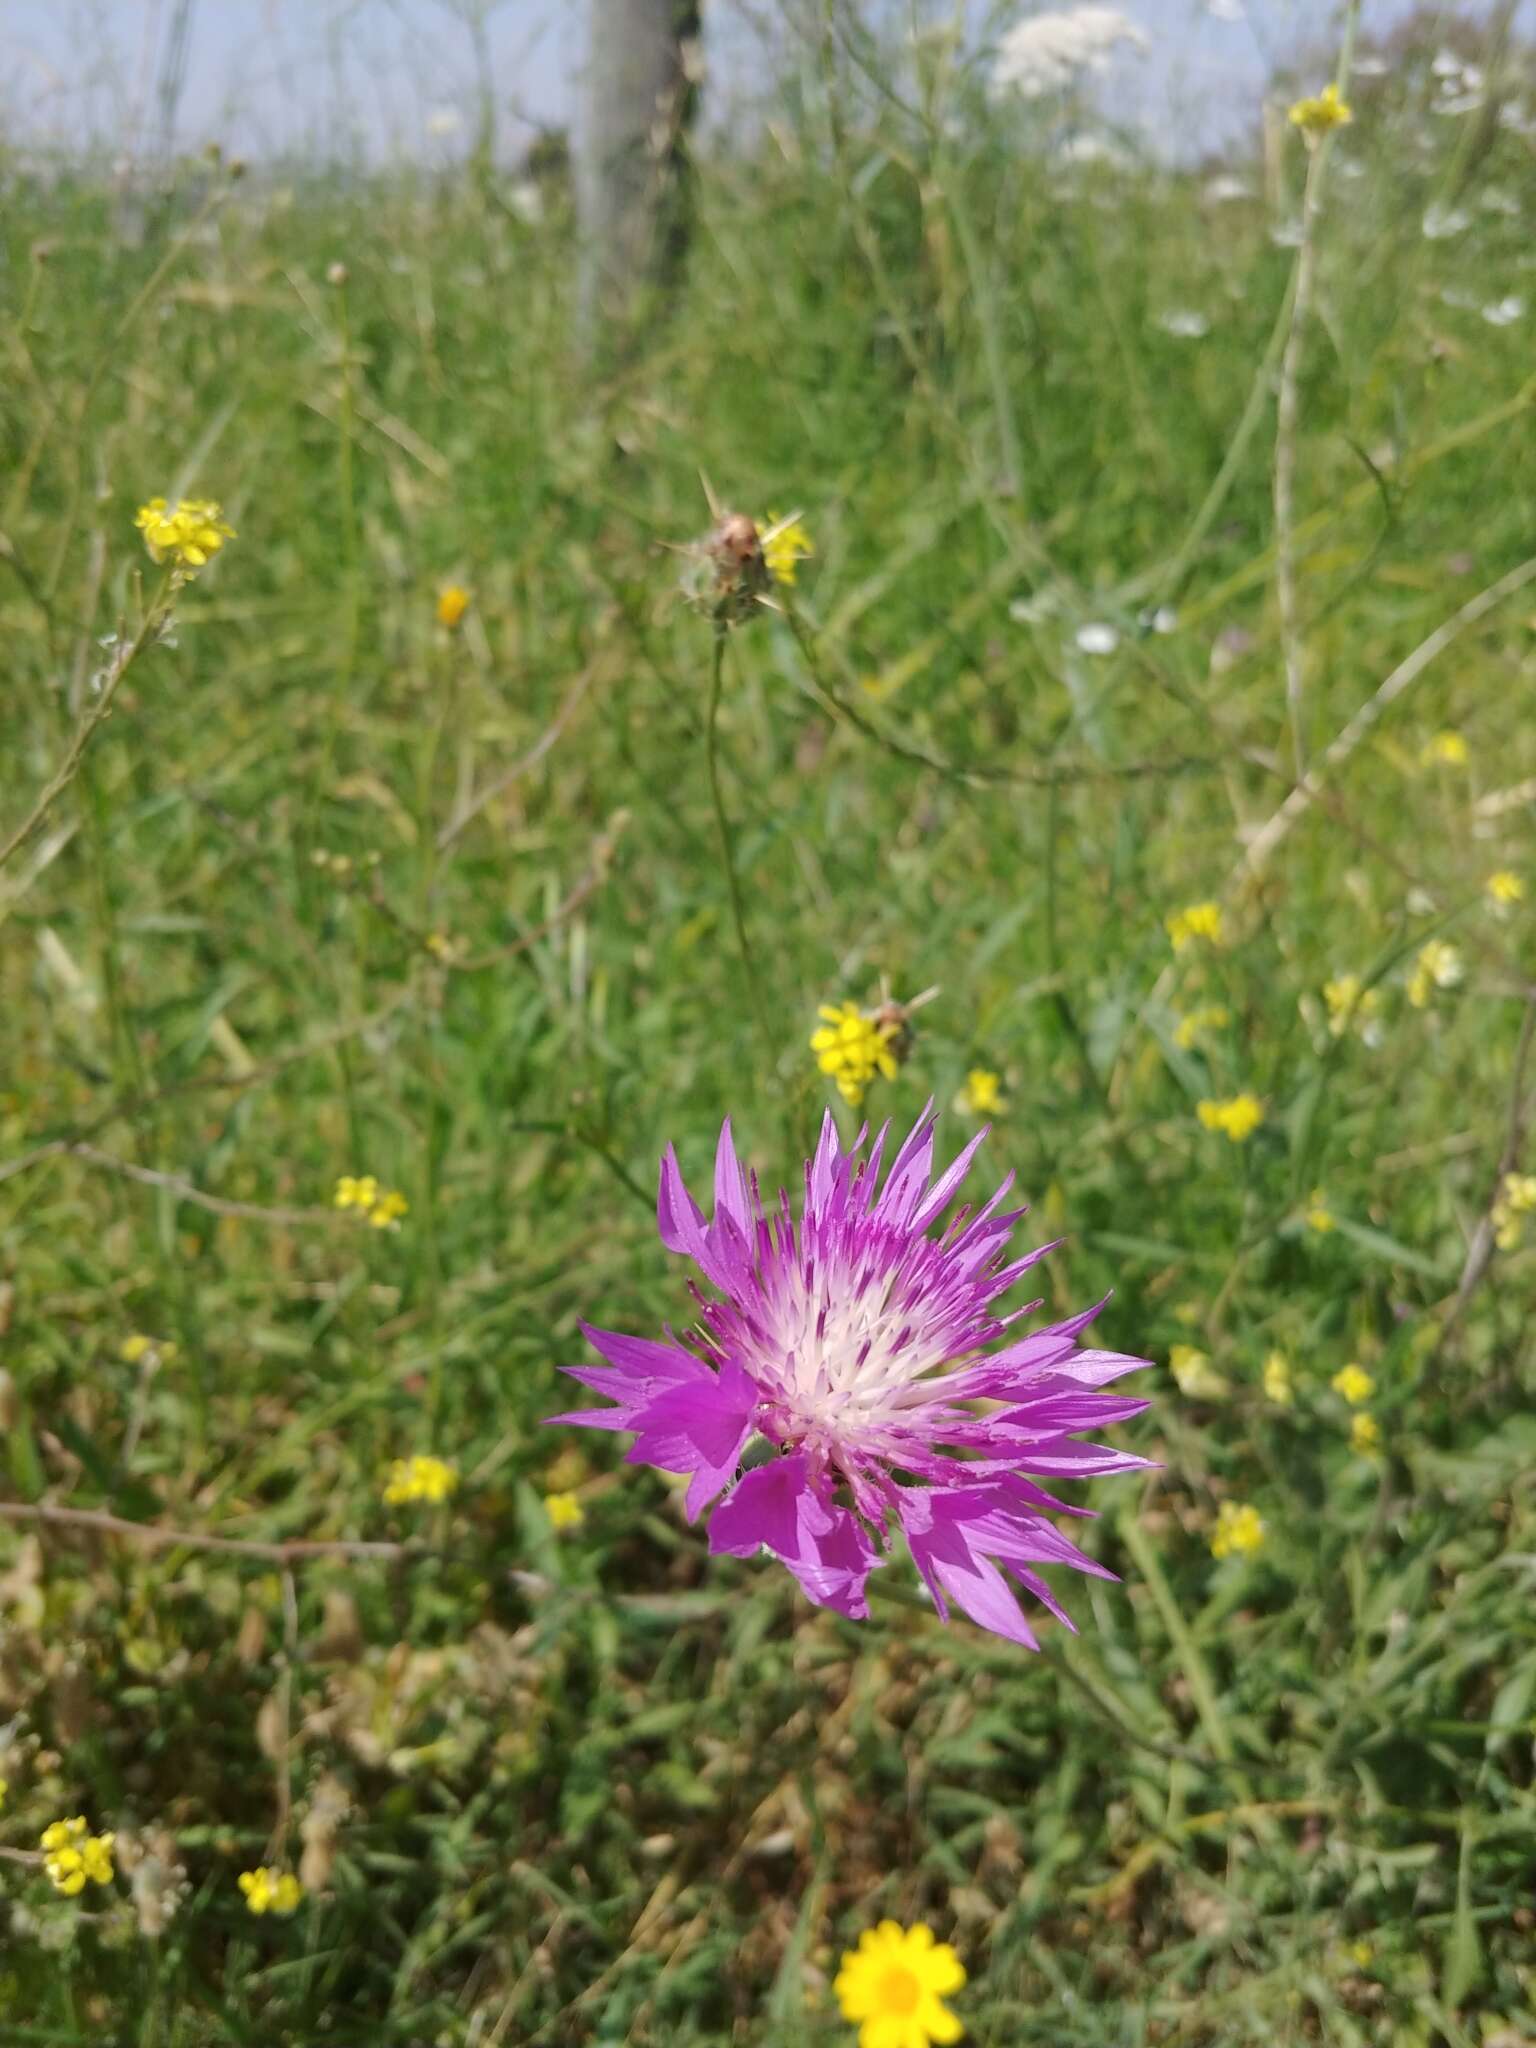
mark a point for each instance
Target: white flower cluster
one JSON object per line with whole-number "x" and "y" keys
{"x": 1049, "y": 52}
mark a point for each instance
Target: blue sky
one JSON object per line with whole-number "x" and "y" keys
{"x": 269, "y": 75}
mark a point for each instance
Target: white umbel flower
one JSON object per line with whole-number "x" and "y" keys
{"x": 1048, "y": 52}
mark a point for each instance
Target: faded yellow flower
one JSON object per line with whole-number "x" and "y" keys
{"x": 1316, "y": 116}
{"x": 1351, "y": 1004}
{"x": 1364, "y": 1435}
{"x": 1438, "y": 966}
{"x": 1277, "y": 1380}
{"x": 1505, "y": 889}
{"x": 1445, "y": 750}
{"x": 1194, "y": 1024}
{"x": 1195, "y": 1375}
{"x": 1319, "y": 1215}
{"x": 1516, "y": 1200}
{"x": 1239, "y": 1531}
{"x": 1197, "y": 921}
{"x": 565, "y": 1510}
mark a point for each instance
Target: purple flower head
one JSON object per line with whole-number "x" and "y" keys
{"x": 850, "y": 1352}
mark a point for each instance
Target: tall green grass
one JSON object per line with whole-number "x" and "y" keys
{"x": 595, "y": 1787}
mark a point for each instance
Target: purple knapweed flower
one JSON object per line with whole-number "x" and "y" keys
{"x": 849, "y": 1353}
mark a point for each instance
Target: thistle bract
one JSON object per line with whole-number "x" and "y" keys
{"x": 838, "y": 1386}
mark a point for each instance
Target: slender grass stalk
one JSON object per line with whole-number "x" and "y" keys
{"x": 723, "y": 825}
{"x": 1287, "y": 423}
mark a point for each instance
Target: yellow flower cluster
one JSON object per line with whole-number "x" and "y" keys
{"x": 420, "y": 1478}
{"x": 1198, "y": 921}
{"x": 1364, "y": 1435}
{"x": 271, "y": 1891}
{"x": 982, "y": 1094}
{"x": 565, "y": 1511}
{"x": 1194, "y": 1024}
{"x": 1278, "y": 1386}
{"x": 72, "y": 1854}
{"x": 382, "y": 1206}
{"x": 853, "y": 1048}
{"x": 452, "y": 604}
{"x": 1445, "y": 750}
{"x": 1437, "y": 966}
{"x": 1317, "y": 115}
{"x": 1351, "y": 1003}
{"x": 1194, "y": 1373}
{"x": 1238, "y": 1117}
{"x": 1516, "y": 1201}
{"x": 1319, "y": 1215}
{"x": 1239, "y": 1531}
{"x": 1355, "y": 1384}
{"x": 190, "y": 532}
{"x": 893, "y": 1984}
{"x": 785, "y": 544}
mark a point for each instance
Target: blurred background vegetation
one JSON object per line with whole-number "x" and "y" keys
{"x": 339, "y": 889}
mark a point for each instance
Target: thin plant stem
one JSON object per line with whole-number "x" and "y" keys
{"x": 1287, "y": 422}
{"x": 722, "y": 822}
{"x": 95, "y": 716}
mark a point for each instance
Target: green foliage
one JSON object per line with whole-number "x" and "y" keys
{"x": 334, "y": 890}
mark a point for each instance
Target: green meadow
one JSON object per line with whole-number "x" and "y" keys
{"x": 301, "y": 883}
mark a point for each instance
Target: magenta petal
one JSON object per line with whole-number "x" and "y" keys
{"x": 776, "y": 1508}
{"x": 698, "y": 1429}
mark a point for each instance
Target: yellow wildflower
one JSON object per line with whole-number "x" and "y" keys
{"x": 1361, "y": 1953}
{"x": 1364, "y": 1436}
{"x": 1516, "y": 1200}
{"x": 1198, "y": 921}
{"x": 136, "y": 1349}
{"x": 72, "y": 1855}
{"x": 853, "y": 1048}
{"x": 1353, "y": 1383}
{"x": 565, "y": 1510}
{"x": 1319, "y": 1215}
{"x": 388, "y": 1209}
{"x": 893, "y": 1984}
{"x": 1277, "y": 1380}
{"x": 1350, "y": 1002}
{"x": 785, "y": 544}
{"x": 1195, "y": 1374}
{"x": 1316, "y": 116}
{"x": 1445, "y": 750}
{"x": 271, "y": 1891}
{"x": 452, "y": 604}
{"x": 1238, "y": 1117}
{"x": 190, "y": 531}
{"x": 1239, "y": 1530}
{"x": 982, "y": 1094}
{"x": 1505, "y": 888}
{"x": 1437, "y": 966}
{"x": 1193, "y": 1026}
{"x": 420, "y": 1478}
{"x": 382, "y": 1206}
